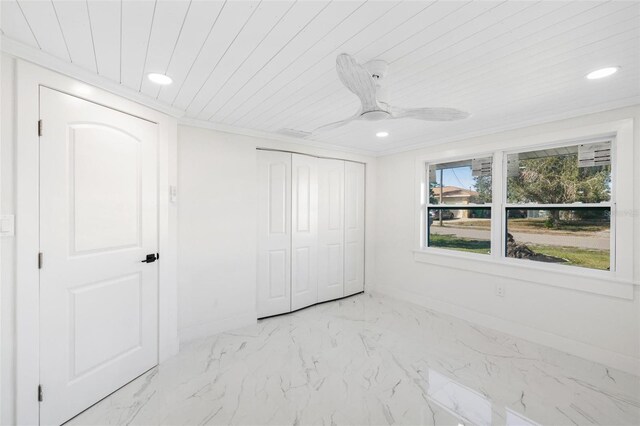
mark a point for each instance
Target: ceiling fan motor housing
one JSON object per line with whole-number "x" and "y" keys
{"x": 375, "y": 115}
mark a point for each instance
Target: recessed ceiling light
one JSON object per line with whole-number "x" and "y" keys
{"x": 382, "y": 134}
{"x": 159, "y": 78}
{"x": 602, "y": 72}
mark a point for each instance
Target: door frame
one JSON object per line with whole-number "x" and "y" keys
{"x": 29, "y": 78}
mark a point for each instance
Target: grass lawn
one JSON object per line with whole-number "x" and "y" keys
{"x": 461, "y": 244}
{"x": 530, "y": 225}
{"x": 471, "y": 223}
{"x": 586, "y": 258}
{"x": 563, "y": 225}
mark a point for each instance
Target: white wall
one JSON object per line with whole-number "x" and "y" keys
{"x": 217, "y": 227}
{"x": 590, "y": 325}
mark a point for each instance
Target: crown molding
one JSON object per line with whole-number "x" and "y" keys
{"x": 609, "y": 106}
{"x": 271, "y": 136}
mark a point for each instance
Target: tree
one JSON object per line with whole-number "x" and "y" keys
{"x": 432, "y": 197}
{"x": 483, "y": 188}
{"x": 558, "y": 180}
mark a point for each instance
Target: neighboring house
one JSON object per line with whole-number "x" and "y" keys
{"x": 455, "y": 195}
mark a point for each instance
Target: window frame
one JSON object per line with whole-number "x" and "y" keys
{"x": 575, "y": 206}
{"x": 619, "y": 283}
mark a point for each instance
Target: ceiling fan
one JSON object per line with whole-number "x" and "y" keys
{"x": 363, "y": 81}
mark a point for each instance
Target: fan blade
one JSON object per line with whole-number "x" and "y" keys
{"x": 430, "y": 114}
{"x": 358, "y": 80}
{"x": 332, "y": 126}
{"x": 337, "y": 124}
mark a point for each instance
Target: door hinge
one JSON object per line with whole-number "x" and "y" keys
{"x": 39, "y": 127}
{"x": 39, "y": 393}
{"x": 40, "y": 260}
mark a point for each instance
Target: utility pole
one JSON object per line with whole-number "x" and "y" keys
{"x": 441, "y": 186}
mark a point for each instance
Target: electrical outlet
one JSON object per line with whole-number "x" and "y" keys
{"x": 500, "y": 290}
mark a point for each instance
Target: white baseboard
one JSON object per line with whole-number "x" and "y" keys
{"x": 217, "y": 326}
{"x": 170, "y": 349}
{"x": 616, "y": 360}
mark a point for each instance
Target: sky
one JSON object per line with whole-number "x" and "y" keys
{"x": 460, "y": 177}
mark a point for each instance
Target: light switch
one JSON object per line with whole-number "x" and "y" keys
{"x": 7, "y": 225}
{"x": 173, "y": 194}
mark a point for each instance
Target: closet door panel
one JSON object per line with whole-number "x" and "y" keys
{"x": 354, "y": 185}
{"x": 304, "y": 234}
{"x": 330, "y": 229}
{"x": 274, "y": 229}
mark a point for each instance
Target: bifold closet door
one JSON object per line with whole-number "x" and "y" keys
{"x": 274, "y": 229}
{"x": 354, "y": 228}
{"x": 330, "y": 229}
{"x": 304, "y": 232}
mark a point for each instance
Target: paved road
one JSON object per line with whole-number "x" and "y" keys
{"x": 599, "y": 240}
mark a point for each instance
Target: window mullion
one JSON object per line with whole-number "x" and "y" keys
{"x": 497, "y": 211}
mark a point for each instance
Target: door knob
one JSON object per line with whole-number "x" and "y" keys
{"x": 150, "y": 258}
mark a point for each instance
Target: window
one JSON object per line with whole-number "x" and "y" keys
{"x": 458, "y": 215}
{"x": 556, "y": 205}
{"x": 600, "y": 221}
{"x": 559, "y": 205}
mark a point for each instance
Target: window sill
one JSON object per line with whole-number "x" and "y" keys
{"x": 575, "y": 278}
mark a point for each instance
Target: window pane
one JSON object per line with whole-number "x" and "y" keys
{"x": 578, "y": 173}
{"x": 578, "y": 237}
{"x": 460, "y": 182}
{"x": 460, "y": 229}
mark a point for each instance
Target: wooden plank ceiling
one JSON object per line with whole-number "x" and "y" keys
{"x": 270, "y": 65}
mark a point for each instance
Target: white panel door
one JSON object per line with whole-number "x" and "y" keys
{"x": 354, "y": 228}
{"x": 304, "y": 232}
{"x": 98, "y": 221}
{"x": 274, "y": 233}
{"x": 330, "y": 229}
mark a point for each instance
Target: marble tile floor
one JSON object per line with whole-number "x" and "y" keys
{"x": 370, "y": 360}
